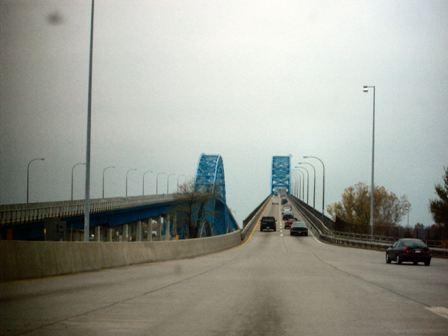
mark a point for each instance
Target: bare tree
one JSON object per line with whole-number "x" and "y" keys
{"x": 192, "y": 210}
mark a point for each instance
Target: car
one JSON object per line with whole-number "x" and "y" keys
{"x": 287, "y": 208}
{"x": 274, "y": 203}
{"x": 287, "y": 216}
{"x": 298, "y": 228}
{"x": 284, "y": 201}
{"x": 409, "y": 249}
{"x": 289, "y": 222}
{"x": 268, "y": 223}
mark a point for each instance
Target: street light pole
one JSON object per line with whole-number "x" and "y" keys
{"x": 89, "y": 129}
{"x": 185, "y": 177}
{"x": 302, "y": 182}
{"x": 314, "y": 181}
{"x": 168, "y": 183}
{"x": 28, "y": 178}
{"x": 143, "y": 187}
{"x": 73, "y": 168}
{"x": 104, "y": 171}
{"x": 307, "y": 183}
{"x": 372, "y": 184}
{"x": 129, "y": 170}
{"x": 157, "y": 181}
{"x": 323, "y": 180}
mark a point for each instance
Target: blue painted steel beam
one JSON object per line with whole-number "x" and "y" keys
{"x": 281, "y": 173}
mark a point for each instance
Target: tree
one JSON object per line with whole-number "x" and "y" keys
{"x": 354, "y": 209}
{"x": 439, "y": 207}
{"x": 191, "y": 210}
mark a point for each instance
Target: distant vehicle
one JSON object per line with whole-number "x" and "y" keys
{"x": 274, "y": 203}
{"x": 284, "y": 201}
{"x": 287, "y": 216}
{"x": 298, "y": 228}
{"x": 268, "y": 223}
{"x": 289, "y": 222}
{"x": 409, "y": 249}
{"x": 287, "y": 208}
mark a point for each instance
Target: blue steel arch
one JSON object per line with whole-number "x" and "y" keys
{"x": 281, "y": 173}
{"x": 210, "y": 178}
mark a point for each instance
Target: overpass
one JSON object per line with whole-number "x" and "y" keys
{"x": 128, "y": 218}
{"x": 258, "y": 283}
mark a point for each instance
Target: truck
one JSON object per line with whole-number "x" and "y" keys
{"x": 268, "y": 223}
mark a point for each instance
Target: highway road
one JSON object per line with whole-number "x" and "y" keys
{"x": 274, "y": 284}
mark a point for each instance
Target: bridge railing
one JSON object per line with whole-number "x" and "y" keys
{"x": 322, "y": 232}
{"x": 21, "y": 213}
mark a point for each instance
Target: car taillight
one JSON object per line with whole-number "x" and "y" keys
{"x": 426, "y": 250}
{"x": 407, "y": 249}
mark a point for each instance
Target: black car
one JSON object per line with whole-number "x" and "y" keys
{"x": 409, "y": 249}
{"x": 298, "y": 228}
{"x": 268, "y": 223}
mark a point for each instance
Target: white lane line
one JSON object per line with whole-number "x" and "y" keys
{"x": 441, "y": 311}
{"x": 281, "y": 234}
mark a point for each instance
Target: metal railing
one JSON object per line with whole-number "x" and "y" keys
{"x": 22, "y": 213}
{"x": 322, "y": 232}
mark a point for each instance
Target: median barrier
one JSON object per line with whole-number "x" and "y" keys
{"x": 35, "y": 259}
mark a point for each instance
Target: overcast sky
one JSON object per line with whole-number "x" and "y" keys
{"x": 244, "y": 79}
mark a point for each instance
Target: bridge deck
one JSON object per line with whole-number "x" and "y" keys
{"x": 272, "y": 285}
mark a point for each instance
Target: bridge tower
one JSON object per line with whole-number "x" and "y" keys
{"x": 214, "y": 216}
{"x": 281, "y": 173}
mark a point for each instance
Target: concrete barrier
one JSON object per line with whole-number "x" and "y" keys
{"x": 35, "y": 259}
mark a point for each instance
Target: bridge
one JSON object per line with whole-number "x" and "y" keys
{"x": 230, "y": 280}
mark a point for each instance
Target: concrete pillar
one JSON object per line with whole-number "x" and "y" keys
{"x": 175, "y": 226}
{"x": 150, "y": 229}
{"x": 110, "y": 234}
{"x": 126, "y": 232}
{"x": 139, "y": 231}
{"x": 98, "y": 233}
{"x": 159, "y": 229}
{"x": 167, "y": 227}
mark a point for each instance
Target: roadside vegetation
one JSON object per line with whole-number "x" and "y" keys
{"x": 352, "y": 213}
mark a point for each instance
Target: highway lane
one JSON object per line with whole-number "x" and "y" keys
{"x": 274, "y": 284}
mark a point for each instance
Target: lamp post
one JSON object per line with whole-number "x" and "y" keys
{"x": 104, "y": 170}
{"x": 129, "y": 170}
{"x": 185, "y": 178}
{"x": 168, "y": 183}
{"x": 143, "y": 186}
{"x": 307, "y": 182}
{"x": 366, "y": 88}
{"x": 302, "y": 182}
{"x": 323, "y": 179}
{"x": 73, "y": 168}
{"x": 89, "y": 130}
{"x": 28, "y": 178}
{"x": 314, "y": 180}
{"x": 157, "y": 181}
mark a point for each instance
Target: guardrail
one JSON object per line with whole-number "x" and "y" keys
{"x": 252, "y": 219}
{"x": 322, "y": 232}
{"x": 22, "y": 213}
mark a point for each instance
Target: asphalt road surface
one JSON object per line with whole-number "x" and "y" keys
{"x": 274, "y": 284}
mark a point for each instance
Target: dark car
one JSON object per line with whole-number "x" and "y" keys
{"x": 284, "y": 201}
{"x": 287, "y": 216}
{"x": 298, "y": 228}
{"x": 408, "y": 249}
{"x": 268, "y": 223}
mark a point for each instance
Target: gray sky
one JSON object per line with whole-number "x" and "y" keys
{"x": 245, "y": 79}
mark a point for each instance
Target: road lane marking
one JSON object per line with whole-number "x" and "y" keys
{"x": 441, "y": 311}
